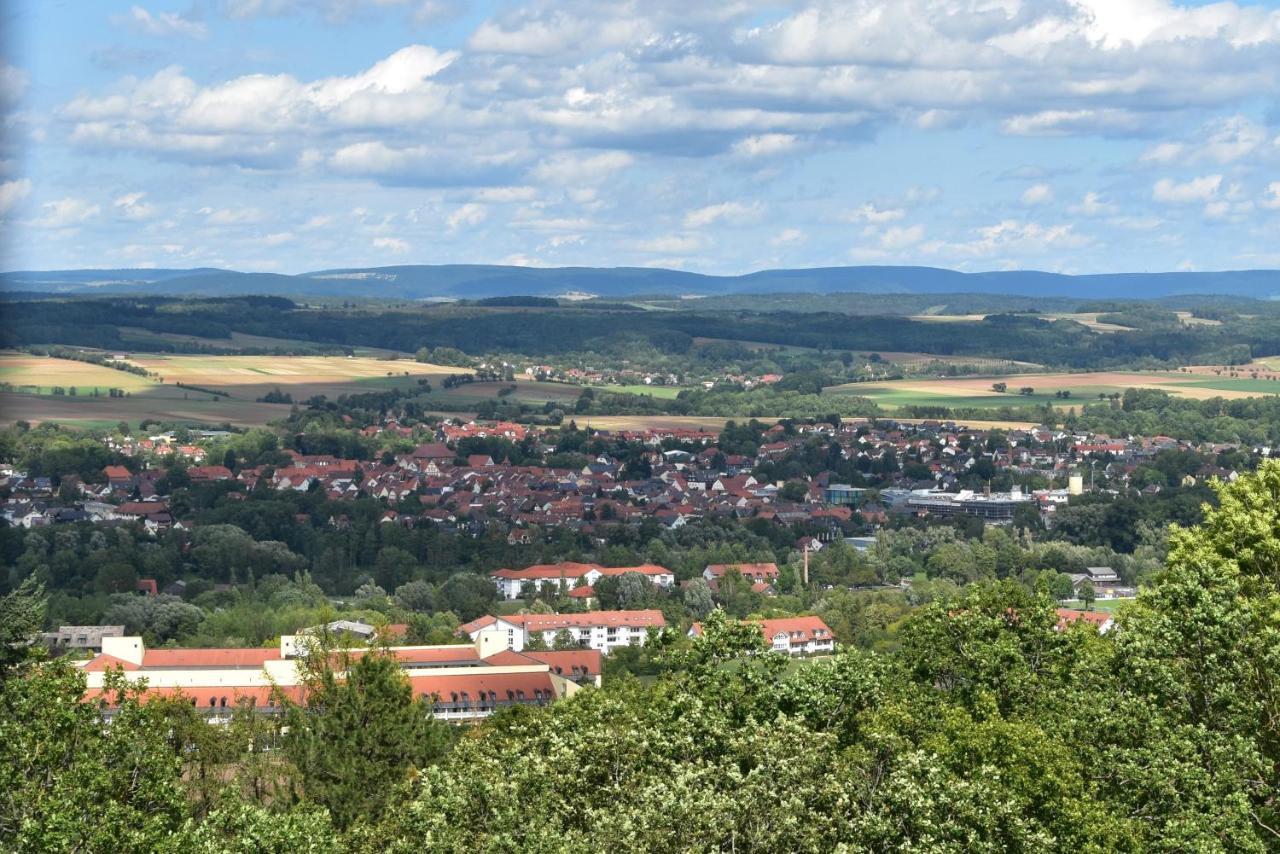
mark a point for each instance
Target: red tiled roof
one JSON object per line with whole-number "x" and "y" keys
{"x": 546, "y": 622}
{"x": 643, "y": 569}
{"x": 767, "y": 569}
{"x": 587, "y": 661}
{"x": 443, "y": 687}
{"x": 243, "y": 657}
{"x": 261, "y": 695}
{"x": 568, "y": 569}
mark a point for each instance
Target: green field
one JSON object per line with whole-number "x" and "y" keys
{"x": 665, "y": 392}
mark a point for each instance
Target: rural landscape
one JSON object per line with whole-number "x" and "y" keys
{"x": 580, "y": 427}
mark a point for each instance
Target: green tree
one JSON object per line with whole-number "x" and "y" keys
{"x": 358, "y": 722}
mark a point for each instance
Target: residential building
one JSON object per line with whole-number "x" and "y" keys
{"x": 598, "y": 630}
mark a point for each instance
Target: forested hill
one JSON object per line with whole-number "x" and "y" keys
{"x": 479, "y": 280}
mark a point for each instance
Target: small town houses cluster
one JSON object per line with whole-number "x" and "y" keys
{"x": 916, "y": 468}
{"x": 512, "y": 659}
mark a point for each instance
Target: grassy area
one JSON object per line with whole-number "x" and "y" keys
{"x": 665, "y": 392}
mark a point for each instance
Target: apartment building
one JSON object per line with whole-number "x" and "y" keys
{"x": 595, "y": 630}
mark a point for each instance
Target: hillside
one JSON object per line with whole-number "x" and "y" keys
{"x": 478, "y": 280}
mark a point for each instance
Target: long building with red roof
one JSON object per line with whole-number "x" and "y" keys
{"x": 569, "y": 575}
{"x": 462, "y": 682}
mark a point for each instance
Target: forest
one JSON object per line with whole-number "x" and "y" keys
{"x": 987, "y": 727}
{"x": 608, "y": 328}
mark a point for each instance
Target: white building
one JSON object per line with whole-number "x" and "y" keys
{"x": 514, "y": 583}
{"x": 598, "y": 630}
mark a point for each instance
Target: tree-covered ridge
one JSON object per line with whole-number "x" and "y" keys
{"x": 610, "y": 329}
{"x": 991, "y": 728}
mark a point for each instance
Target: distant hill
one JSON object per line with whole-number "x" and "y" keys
{"x": 471, "y": 281}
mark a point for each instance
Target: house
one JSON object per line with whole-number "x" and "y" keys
{"x": 568, "y": 575}
{"x": 1101, "y": 620}
{"x": 79, "y": 638}
{"x": 598, "y": 630}
{"x": 766, "y": 572}
{"x": 792, "y": 635}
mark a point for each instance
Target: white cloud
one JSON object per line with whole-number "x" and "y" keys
{"x": 900, "y": 237}
{"x": 469, "y": 214}
{"x": 391, "y": 244}
{"x": 734, "y": 212}
{"x": 12, "y": 193}
{"x": 1196, "y": 190}
{"x": 506, "y": 194}
{"x": 1271, "y": 201}
{"x": 161, "y": 23}
{"x": 765, "y": 145}
{"x": 1011, "y": 238}
{"x": 65, "y": 213}
{"x": 132, "y": 206}
{"x": 1092, "y": 205}
{"x": 871, "y": 213}
{"x": 1037, "y": 194}
{"x": 788, "y": 237}
{"x": 232, "y": 216}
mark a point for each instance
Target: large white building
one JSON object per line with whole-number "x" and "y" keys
{"x": 464, "y": 682}
{"x": 596, "y": 630}
{"x": 567, "y": 576}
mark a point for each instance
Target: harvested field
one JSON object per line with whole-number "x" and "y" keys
{"x": 965, "y": 392}
{"x": 251, "y": 377}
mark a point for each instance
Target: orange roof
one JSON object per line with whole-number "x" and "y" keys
{"x": 1097, "y": 618}
{"x": 719, "y": 569}
{"x": 561, "y": 661}
{"x": 567, "y": 569}
{"x": 546, "y": 622}
{"x": 643, "y": 569}
{"x": 242, "y": 657}
{"x": 444, "y": 687}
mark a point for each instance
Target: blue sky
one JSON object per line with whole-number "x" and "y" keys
{"x": 294, "y": 135}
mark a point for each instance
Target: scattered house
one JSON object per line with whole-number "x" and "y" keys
{"x": 1101, "y": 620}
{"x": 80, "y": 638}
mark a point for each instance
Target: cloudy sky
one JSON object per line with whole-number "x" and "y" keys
{"x": 293, "y": 135}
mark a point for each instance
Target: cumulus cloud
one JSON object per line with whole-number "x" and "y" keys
{"x": 670, "y": 244}
{"x": 1271, "y": 200}
{"x": 1092, "y": 205}
{"x": 569, "y": 169}
{"x": 765, "y": 145}
{"x": 469, "y": 214}
{"x": 1195, "y": 190}
{"x": 788, "y": 237}
{"x": 12, "y": 194}
{"x": 132, "y": 206}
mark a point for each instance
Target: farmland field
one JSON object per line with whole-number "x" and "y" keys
{"x": 302, "y": 376}
{"x": 241, "y": 379}
{"x": 973, "y": 392}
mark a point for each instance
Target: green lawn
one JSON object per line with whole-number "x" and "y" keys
{"x": 1107, "y": 606}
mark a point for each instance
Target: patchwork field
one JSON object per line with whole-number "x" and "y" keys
{"x": 240, "y": 379}
{"x": 252, "y": 377}
{"x": 974, "y": 392}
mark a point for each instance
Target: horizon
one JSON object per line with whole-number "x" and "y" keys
{"x": 320, "y": 134}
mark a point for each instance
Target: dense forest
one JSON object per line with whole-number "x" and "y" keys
{"x": 986, "y": 728}
{"x": 533, "y": 330}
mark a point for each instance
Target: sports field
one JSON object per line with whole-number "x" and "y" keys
{"x": 974, "y": 392}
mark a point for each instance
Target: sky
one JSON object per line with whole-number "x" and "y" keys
{"x": 721, "y": 137}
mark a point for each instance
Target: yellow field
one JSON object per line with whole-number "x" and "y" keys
{"x": 302, "y": 376}
{"x": 241, "y": 379}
